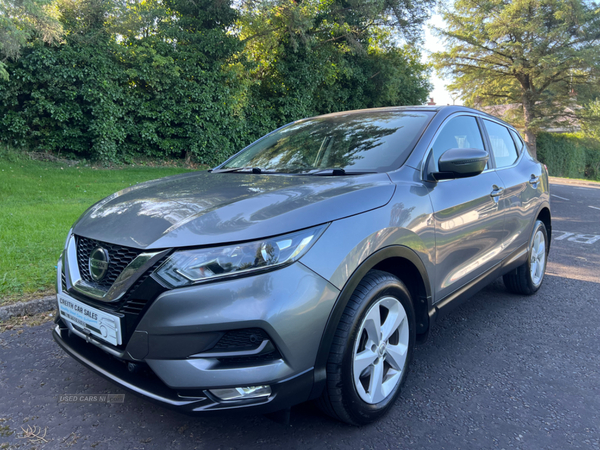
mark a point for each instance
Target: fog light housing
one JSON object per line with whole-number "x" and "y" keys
{"x": 242, "y": 393}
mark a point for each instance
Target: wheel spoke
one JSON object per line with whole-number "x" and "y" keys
{"x": 376, "y": 383}
{"x": 541, "y": 252}
{"x": 536, "y": 241}
{"x": 390, "y": 381}
{"x": 373, "y": 326}
{"x": 539, "y": 269}
{"x": 534, "y": 272}
{"x": 396, "y": 356}
{"x": 538, "y": 257}
{"x": 363, "y": 360}
{"x": 393, "y": 320}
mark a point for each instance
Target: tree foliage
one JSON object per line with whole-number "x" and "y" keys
{"x": 22, "y": 20}
{"x": 590, "y": 120}
{"x": 535, "y": 53}
{"x": 201, "y": 78}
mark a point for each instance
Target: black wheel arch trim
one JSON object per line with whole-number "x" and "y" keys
{"x": 393, "y": 251}
{"x": 544, "y": 205}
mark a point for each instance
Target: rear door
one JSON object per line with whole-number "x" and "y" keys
{"x": 469, "y": 220}
{"x": 522, "y": 183}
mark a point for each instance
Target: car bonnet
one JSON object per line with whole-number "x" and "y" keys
{"x": 202, "y": 208}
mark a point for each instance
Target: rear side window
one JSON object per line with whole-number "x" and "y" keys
{"x": 503, "y": 146}
{"x": 460, "y": 132}
{"x": 517, "y": 139}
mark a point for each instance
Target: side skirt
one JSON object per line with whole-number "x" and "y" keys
{"x": 458, "y": 297}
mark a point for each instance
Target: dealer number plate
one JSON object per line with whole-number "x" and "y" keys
{"x": 98, "y": 323}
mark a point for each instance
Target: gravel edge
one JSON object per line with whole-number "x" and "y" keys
{"x": 29, "y": 308}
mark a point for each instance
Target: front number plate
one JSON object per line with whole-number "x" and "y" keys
{"x": 98, "y": 323}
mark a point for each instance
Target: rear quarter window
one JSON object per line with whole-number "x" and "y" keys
{"x": 503, "y": 146}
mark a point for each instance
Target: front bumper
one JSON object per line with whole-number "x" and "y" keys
{"x": 291, "y": 305}
{"x": 145, "y": 384}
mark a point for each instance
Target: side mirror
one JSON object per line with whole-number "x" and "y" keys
{"x": 460, "y": 163}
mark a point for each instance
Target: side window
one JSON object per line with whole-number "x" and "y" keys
{"x": 518, "y": 141}
{"x": 460, "y": 132}
{"x": 503, "y": 146}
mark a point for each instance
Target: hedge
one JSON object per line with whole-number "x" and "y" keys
{"x": 569, "y": 155}
{"x": 174, "y": 81}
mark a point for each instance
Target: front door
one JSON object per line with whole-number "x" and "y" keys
{"x": 469, "y": 220}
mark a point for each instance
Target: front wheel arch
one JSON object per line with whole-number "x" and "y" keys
{"x": 385, "y": 259}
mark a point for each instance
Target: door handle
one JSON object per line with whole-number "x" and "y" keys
{"x": 496, "y": 191}
{"x": 534, "y": 179}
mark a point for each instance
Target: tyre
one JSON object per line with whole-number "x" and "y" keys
{"x": 527, "y": 278}
{"x": 371, "y": 351}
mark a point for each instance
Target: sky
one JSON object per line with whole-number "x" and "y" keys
{"x": 440, "y": 94}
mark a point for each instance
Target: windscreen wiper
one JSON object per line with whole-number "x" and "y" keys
{"x": 237, "y": 169}
{"x": 337, "y": 171}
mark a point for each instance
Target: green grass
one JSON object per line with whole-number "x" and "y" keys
{"x": 39, "y": 201}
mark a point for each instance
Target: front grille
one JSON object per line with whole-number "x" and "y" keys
{"x": 119, "y": 258}
{"x": 63, "y": 280}
{"x": 129, "y": 307}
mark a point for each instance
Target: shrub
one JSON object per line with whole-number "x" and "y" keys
{"x": 569, "y": 155}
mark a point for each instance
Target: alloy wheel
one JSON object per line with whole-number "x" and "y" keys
{"x": 538, "y": 257}
{"x": 380, "y": 350}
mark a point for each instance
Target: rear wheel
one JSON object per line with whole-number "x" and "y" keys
{"x": 372, "y": 348}
{"x": 527, "y": 278}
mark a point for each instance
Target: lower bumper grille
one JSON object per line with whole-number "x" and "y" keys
{"x": 241, "y": 339}
{"x": 247, "y": 339}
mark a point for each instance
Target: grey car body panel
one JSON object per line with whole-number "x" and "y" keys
{"x": 198, "y": 209}
{"x": 499, "y": 236}
{"x": 348, "y": 242}
{"x": 273, "y": 301}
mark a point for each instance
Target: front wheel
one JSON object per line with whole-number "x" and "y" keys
{"x": 527, "y": 278}
{"x": 372, "y": 349}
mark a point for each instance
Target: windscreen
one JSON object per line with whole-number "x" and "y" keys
{"x": 356, "y": 142}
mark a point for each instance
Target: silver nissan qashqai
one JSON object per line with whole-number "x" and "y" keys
{"x": 308, "y": 265}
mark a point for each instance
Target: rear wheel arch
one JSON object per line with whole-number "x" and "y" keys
{"x": 401, "y": 262}
{"x": 546, "y": 217}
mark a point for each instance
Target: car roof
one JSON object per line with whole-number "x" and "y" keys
{"x": 444, "y": 110}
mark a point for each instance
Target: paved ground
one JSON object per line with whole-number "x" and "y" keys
{"x": 500, "y": 372}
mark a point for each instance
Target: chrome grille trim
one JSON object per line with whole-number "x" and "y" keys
{"x": 136, "y": 268}
{"x": 120, "y": 257}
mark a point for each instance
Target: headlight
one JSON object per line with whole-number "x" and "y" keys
{"x": 188, "y": 267}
